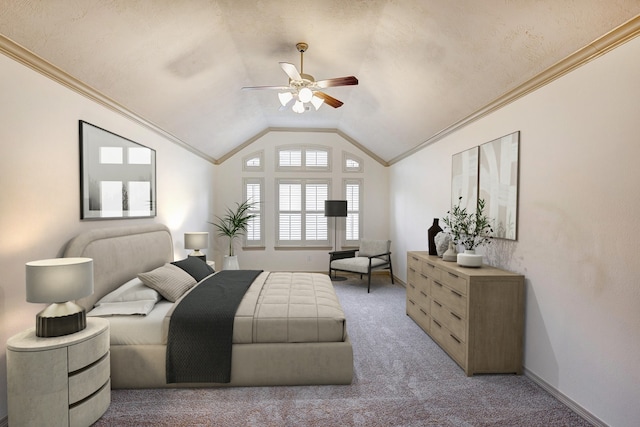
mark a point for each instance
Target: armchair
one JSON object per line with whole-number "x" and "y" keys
{"x": 373, "y": 254}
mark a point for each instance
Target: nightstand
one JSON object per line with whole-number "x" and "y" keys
{"x": 60, "y": 381}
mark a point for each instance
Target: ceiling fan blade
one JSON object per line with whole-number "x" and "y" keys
{"x": 329, "y": 100}
{"x": 291, "y": 71}
{"x": 338, "y": 81}
{"x": 266, "y": 88}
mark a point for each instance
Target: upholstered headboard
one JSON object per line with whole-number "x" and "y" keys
{"x": 119, "y": 254}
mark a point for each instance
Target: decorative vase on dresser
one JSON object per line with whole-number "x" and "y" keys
{"x": 475, "y": 315}
{"x": 431, "y": 236}
{"x": 469, "y": 258}
{"x": 60, "y": 381}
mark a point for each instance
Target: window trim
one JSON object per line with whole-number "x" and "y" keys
{"x": 360, "y": 183}
{"x": 303, "y": 242}
{"x": 255, "y": 243}
{"x": 303, "y": 152}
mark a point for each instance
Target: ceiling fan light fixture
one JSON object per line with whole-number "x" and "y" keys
{"x": 285, "y": 97}
{"x": 316, "y": 101}
{"x": 305, "y": 94}
{"x": 298, "y": 107}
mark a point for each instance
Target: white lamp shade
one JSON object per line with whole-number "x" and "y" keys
{"x": 284, "y": 98}
{"x": 196, "y": 240}
{"x": 59, "y": 280}
{"x": 305, "y": 94}
{"x": 317, "y": 102}
{"x": 298, "y": 107}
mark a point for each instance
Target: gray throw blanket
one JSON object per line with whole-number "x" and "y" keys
{"x": 201, "y": 328}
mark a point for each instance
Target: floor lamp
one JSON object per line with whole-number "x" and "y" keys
{"x": 335, "y": 209}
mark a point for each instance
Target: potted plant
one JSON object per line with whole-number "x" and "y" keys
{"x": 470, "y": 230}
{"x": 233, "y": 224}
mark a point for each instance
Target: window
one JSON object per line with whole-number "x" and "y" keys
{"x": 304, "y": 159}
{"x": 351, "y": 163}
{"x": 301, "y": 220}
{"x": 353, "y": 195}
{"x": 253, "y": 190}
{"x": 253, "y": 162}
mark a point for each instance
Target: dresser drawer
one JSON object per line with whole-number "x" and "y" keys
{"x": 430, "y": 270}
{"x": 455, "y": 282}
{"x": 87, "y": 412}
{"x": 88, "y": 381}
{"x": 452, "y": 321}
{"x": 419, "y": 315}
{"x": 87, "y": 352}
{"x": 449, "y": 342}
{"x": 413, "y": 262}
{"x": 453, "y": 299}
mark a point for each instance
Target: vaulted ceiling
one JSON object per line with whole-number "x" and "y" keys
{"x": 422, "y": 65}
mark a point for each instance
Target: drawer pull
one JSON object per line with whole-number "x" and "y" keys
{"x": 455, "y": 339}
{"x": 437, "y": 324}
{"x": 437, "y": 303}
{"x": 412, "y": 269}
{"x": 423, "y": 276}
{"x": 411, "y": 301}
{"x": 453, "y": 275}
{"x": 423, "y": 312}
{"x": 455, "y": 315}
{"x": 431, "y": 265}
{"x": 435, "y": 282}
{"x": 422, "y": 292}
{"x": 412, "y": 285}
{"x": 456, "y": 293}
{"x": 414, "y": 258}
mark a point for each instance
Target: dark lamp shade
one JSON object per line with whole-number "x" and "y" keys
{"x": 59, "y": 280}
{"x": 196, "y": 240}
{"x": 335, "y": 208}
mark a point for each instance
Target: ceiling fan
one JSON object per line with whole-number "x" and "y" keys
{"x": 303, "y": 88}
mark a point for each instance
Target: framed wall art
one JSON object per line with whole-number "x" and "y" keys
{"x": 499, "y": 183}
{"x": 464, "y": 179}
{"x": 117, "y": 176}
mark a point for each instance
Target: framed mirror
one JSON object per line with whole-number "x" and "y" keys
{"x": 499, "y": 183}
{"x": 117, "y": 176}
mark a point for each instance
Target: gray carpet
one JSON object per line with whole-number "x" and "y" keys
{"x": 402, "y": 378}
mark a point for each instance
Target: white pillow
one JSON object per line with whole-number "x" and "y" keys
{"x": 141, "y": 307}
{"x": 133, "y": 290}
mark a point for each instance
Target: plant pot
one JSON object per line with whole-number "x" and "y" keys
{"x": 469, "y": 259}
{"x": 231, "y": 263}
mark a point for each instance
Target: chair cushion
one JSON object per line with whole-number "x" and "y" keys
{"x": 373, "y": 247}
{"x": 357, "y": 264}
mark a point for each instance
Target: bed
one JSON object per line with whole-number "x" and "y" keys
{"x": 268, "y": 347}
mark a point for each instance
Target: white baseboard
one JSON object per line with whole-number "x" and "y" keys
{"x": 565, "y": 399}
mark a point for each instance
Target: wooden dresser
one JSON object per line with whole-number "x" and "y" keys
{"x": 475, "y": 314}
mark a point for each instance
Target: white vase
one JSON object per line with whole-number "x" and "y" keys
{"x": 231, "y": 263}
{"x": 469, "y": 259}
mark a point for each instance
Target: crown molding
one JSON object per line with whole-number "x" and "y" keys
{"x": 24, "y": 56}
{"x": 593, "y": 50}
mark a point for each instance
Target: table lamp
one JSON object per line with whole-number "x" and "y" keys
{"x": 59, "y": 281}
{"x": 197, "y": 240}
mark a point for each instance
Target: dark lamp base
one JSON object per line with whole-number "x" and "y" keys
{"x": 60, "y": 319}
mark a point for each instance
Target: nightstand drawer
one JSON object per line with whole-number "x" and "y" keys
{"x": 451, "y": 320}
{"x": 88, "y": 381}
{"x": 87, "y": 352}
{"x": 455, "y": 282}
{"x": 90, "y": 410}
{"x": 453, "y": 299}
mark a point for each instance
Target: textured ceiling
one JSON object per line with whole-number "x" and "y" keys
{"x": 423, "y": 65}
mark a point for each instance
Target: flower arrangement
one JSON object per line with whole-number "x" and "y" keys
{"x": 470, "y": 230}
{"x": 234, "y": 223}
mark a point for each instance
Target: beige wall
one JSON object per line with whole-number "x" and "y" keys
{"x": 375, "y": 210}
{"x": 578, "y": 226}
{"x": 39, "y": 176}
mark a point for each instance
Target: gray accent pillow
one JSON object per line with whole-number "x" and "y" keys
{"x": 170, "y": 281}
